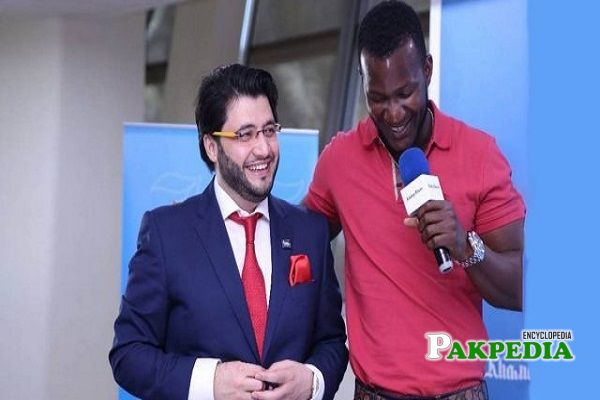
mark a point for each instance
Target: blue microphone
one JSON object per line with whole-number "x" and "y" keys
{"x": 411, "y": 165}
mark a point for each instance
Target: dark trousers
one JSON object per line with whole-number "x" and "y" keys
{"x": 363, "y": 392}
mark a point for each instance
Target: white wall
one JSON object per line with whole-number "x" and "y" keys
{"x": 29, "y": 105}
{"x": 67, "y": 84}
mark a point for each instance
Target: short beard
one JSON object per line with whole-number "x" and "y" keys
{"x": 234, "y": 176}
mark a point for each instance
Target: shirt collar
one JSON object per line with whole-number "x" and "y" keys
{"x": 441, "y": 137}
{"x": 367, "y": 130}
{"x": 228, "y": 206}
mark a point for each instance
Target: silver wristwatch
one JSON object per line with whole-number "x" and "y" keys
{"x": 478, "y": 250}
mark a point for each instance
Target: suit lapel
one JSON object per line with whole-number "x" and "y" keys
{"x": 280, "y": 259}
{"x": 214, "y": 238}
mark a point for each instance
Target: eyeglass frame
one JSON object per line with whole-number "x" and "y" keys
{"x": 236, "y": 135}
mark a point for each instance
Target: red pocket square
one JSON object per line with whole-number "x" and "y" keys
{"x": 299, "y": 269}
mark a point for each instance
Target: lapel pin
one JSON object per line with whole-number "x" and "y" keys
{"x": 286, "y": 244}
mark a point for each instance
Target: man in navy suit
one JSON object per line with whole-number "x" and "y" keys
{"x": 231, "y": 293}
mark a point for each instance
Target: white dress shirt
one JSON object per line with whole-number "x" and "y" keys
{"x": 203, "y": 373}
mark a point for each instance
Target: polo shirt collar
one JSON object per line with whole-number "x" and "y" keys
{"x": 441, "y": 137}
{"x": 368, "y": 134}
{"x": 367, "y": 131}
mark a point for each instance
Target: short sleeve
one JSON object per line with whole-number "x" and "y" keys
{"x": 320, "y": 196}
{"x": 500, "y": 202}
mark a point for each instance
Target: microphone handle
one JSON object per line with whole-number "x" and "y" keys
{"x": 442, "y": 256}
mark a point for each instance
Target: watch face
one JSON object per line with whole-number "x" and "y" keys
{"x": 477, "y": 245}
{"x": 478, "y": 250}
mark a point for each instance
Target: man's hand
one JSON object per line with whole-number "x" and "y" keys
{"x": 499, "y": 276}
{"x": 236, "y": 380}
{"x": 293, "y": 381}
{"x": 439, "y": 227}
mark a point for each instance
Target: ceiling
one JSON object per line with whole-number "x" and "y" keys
{"x": 76, "y": 7}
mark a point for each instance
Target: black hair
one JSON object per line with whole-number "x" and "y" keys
{"x": 387, "y": 26}
{"x": 219, "y": 88}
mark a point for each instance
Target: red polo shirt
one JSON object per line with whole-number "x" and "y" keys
{"x": 394, "y": 292}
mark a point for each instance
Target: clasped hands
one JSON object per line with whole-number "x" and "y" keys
{"x": 283, "y": 380}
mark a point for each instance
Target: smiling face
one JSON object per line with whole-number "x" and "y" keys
{"x": 396, "y": 92}
{"x": 245, "y": 170}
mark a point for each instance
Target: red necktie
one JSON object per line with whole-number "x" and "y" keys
{"x": 253, "y": 281}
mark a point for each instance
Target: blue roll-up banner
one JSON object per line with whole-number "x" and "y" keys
{"x": 484, "y": 82}
{"x": 162, "y": 165}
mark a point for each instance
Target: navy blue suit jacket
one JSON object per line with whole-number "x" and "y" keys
{"x": 184, "y": 299}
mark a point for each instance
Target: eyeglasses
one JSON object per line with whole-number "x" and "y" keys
{"x": 245, "y": 135}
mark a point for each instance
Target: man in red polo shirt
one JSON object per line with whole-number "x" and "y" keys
{"x": 394, "y": 291}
